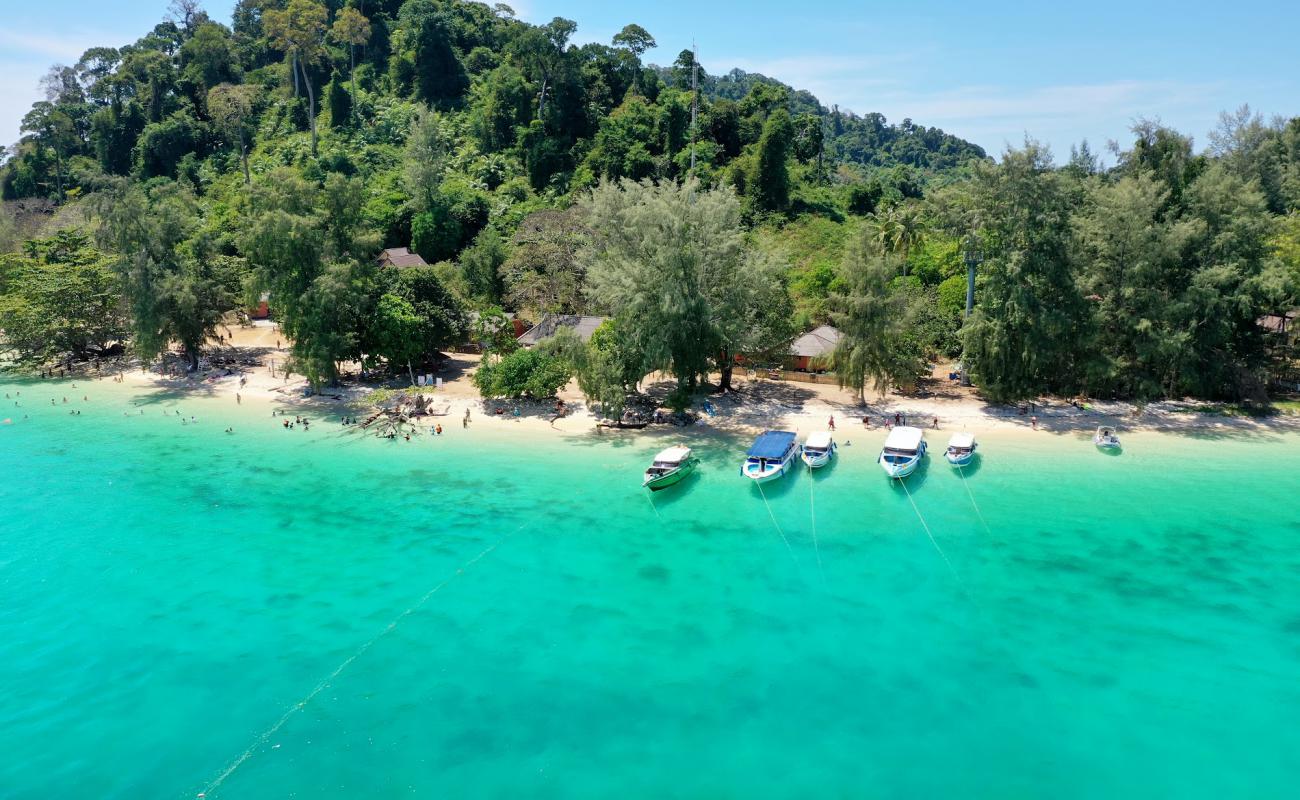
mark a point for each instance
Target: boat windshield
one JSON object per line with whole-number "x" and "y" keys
{"x": 814, "y": 451}
{"x": 959, "y": 451}
{"x": 898, "y": 456}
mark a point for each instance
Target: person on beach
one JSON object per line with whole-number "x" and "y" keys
{"x": 866, "y": 421}
{"x": 936, "y": 423}
{"x": 437, "y": 430}
{"x": 898, "y": 419}
{"x": 830, "y": 423}
{"x": 238, "y": 400}
{"x": 1033, "y": 423}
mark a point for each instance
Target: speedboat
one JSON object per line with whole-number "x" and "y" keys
{"x": 771, "y": 456}
{"x": 961, "y": 449}
{"x": 1105, "y": 439}
{"x": 818, "y": 450}
{"x": 669, "y": 467}
{"x": 904, "y": 449}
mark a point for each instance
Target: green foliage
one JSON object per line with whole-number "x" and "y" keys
{"x": 1024, "y": 336}
{"x": 523, "y": 373}
{"x": 671, "y": 263}
{"x": 61, "y": 299}
{"x": 877, "y": 347}
{"x": 769, "y": 186}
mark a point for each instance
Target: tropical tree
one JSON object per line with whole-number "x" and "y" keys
{"x": 231, "y": 108}
{"x": 672, "y": 264}
{"x": 299, "y": 31}
{"x": 353, "y": 29}
{"x": 877, "y": 345}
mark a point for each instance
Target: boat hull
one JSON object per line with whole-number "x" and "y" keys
{"x": 901, "y": 469}
{"x": 662, "y": 482}
{"x": 961, "y": 460}
{"x": 817, "y": 460}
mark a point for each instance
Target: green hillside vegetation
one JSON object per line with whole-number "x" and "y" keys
{"x": 279, "y": 155}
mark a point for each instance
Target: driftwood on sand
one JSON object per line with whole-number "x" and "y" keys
{"x": 398, "y": 415}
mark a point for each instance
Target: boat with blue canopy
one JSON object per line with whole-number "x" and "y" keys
{"x": 770, "y": 456}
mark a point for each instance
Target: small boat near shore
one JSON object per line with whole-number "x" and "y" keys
{"x": 961, "y": 449}
{"x": 903, "y": 451}
{"x": 770, "y": 456}
{"x": 669, "y": 467}
{"x": 1106, "y": 439}
{"x": 818, "y": 450}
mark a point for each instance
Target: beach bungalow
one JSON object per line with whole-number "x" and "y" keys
{"x": 550, "y": 323}
{"x": 811, "y": 351}
{"x": 400, "y": 258}
{"x": 1281, "y": 327}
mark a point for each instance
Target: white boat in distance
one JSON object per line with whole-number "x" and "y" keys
{"x": 818, "y": 449}
{"x": 770, "y": 456}
{"x": 961, "y": 449}
{"x": 669, "y": 467}
{"x": 1106, "y": 439}
{"x": 904, "y": 449}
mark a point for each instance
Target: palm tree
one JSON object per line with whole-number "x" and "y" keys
{"x": 899, "y": 230}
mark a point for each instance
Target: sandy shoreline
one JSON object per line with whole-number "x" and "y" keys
{"x": 254, "y": 387}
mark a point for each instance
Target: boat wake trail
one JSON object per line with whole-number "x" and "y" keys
{"x": 262, "y": 739}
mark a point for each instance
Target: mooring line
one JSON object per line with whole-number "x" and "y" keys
{"x": 776, "y": 524}
{"x": 975, "y": 505}
{"x": 937, "y": 548}
{"x": 320, "y": 687}
{"x": 812, "y": 510}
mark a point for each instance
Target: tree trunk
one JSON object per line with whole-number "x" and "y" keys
{"x": 311, "y": 106}
{"x": 193, "y": 356}
{"x": 410, "y": 372}
{"x": 541, "y": 99}
{"x": 726, "y": 368}
{"x": 243, "y": 152}
{"x": 293, "y": 67}
{"x": 352, "y": 53}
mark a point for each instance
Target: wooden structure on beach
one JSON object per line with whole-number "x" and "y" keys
{"x": 812, "y": 351}
{"x": 550, "y": 323}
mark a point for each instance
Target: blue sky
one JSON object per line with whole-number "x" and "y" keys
{"x": 989, "y": 72}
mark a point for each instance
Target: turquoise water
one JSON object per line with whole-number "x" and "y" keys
{"x": 1126, "y": 626}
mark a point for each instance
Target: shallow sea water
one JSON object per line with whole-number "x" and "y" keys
{"x": 170, "y": 595}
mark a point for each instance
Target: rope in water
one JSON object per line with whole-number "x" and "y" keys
{"x": 938, "y": 549}
{"x": 812, "y": 510}
{"x": 775, "y": 524}
{"x": 320, "y": 687}
{"x": 975, "y": 505}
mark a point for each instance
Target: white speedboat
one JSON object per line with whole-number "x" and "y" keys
{"x": 771, "y": 456}
{"x": 904, "y": 449}
{"x": 1106, "y": 439}
{"x": 669, "y": 467}
{"x": 818, "y": 450}
{"x": 961, "y": 449}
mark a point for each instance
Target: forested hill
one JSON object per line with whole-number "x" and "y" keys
{"x": 523, "y": 101}
{"x": 851, "y": 139}
{"x": 164, "y": 185}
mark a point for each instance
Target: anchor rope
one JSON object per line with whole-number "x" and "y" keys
{"x": 360, "y": 651}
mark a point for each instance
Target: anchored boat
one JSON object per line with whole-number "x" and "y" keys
{"x": 818, "y": 450}
{"x": 961, "y": 449}
{"x": 770, "y": 457}
{"x": 904, "y": 449}
{"x": 669, "y": 467}
{"x": 1106, "y": 439}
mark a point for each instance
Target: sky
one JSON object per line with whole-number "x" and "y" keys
{"x": 992, "y": 72}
